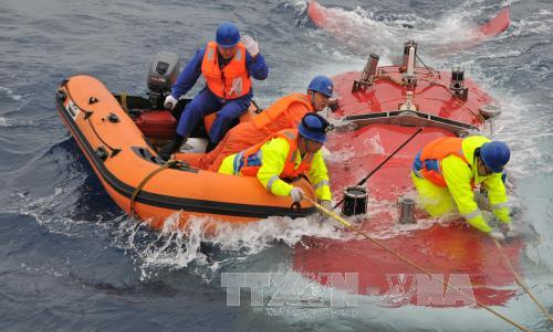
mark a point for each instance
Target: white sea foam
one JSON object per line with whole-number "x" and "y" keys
{"x": 174, "y": 247}
{"x": 364, "y": 33}
{"x": 9, "y": 93}
{"x": 10, "y": 123}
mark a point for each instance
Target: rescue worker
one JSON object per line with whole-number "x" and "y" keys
{"x": 287, "y": 112}
{"x": 446, "y": 171}
{"x": 287, "y": 155}
{"x": 226, "y": 65}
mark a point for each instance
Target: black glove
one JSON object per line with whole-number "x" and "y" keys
{"x": 170, "y": 147}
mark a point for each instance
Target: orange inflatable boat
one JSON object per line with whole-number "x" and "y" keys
{"x": 107, "y": 128}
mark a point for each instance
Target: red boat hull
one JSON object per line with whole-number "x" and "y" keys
{"x": 337, "y": 22}
{"x": 464, "y": 257}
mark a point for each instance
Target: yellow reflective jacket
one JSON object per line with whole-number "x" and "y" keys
{"x": 459, "y": 176}
{"x": 273, "y": 157}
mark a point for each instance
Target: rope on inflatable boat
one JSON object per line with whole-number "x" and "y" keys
{"x": 520, "y": 282}
{"x": 124, "y": 103}
{"x": 141, "y": 185}
{"x": 347, "y": 224}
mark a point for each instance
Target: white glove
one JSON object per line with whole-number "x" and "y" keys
{"x": 497, "y": 235}
{"x": 508, "y": 230}
{"x": 296, "y": 194}
{"x": 251, "y": 45}
{"x": 333, "y": 103}
{"x": 170, "y": 102}
{"x": 505, "y": 227}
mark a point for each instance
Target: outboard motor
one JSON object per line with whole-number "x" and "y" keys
{"x": 161, "y": 77}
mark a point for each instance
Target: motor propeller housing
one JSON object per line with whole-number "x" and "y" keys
{"x": 162, "y": 75}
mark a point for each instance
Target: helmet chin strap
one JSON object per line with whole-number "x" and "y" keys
{"x": 302, "y": 145}
{"x": 311, "y": 94}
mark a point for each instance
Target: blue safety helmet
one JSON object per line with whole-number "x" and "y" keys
{"x": 321, "y": 84}
{"x": 313, "y": 127}
{"x": 227, "y": 35}
{"x": 495, "y": 155}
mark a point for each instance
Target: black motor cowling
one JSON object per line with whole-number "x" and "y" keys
{"x": 162, "y": 75}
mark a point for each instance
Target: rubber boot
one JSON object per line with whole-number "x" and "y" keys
{"x": 210, "y": 146}
{"x": 170, "y": 147}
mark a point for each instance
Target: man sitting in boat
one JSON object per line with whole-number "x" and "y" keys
{"x": 227, "y": 65}
{"x": 446, "y": 171}
{"x": 287, "y": 154}
{"x": 285, "y": 113}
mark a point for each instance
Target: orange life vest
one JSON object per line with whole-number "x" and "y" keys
{"x": 281, "y": 108}
{"x": 251, "y": 162}
{"x": 436, "y": 151}
{"x": 231, "y": 82}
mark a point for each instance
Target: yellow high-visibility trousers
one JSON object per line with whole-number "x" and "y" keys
{"x": 434, "y": 199}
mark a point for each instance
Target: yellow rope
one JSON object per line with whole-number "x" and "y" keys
{"x": 521, "y": 283}
{"x": 410, "y": 262}
{"x": 124, "y": 103}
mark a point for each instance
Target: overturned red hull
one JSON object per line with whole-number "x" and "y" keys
{"x": 463, "y": 257}
{"x": 337, "y": 23}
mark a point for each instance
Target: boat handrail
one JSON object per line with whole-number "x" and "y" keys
{"x": 409, "y": 118}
